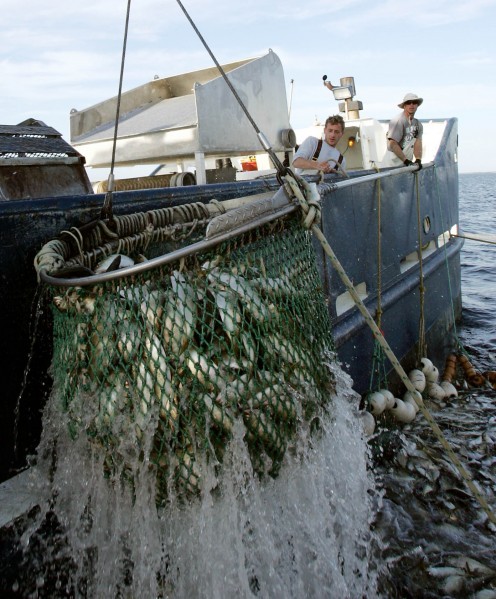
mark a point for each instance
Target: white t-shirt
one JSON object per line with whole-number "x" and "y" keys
{"x": 327, "y": 153}
{"x": 405, "y": 133}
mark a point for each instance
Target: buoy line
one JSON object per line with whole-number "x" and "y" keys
{"x": 486, "y": 238}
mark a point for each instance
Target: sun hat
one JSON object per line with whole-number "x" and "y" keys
{"x": 411, "y": 97}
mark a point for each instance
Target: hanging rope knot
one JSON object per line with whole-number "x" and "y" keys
{"x": 308, "y": 198}
{"x": 50, "y": 258}
{"x": 312, "y": 213}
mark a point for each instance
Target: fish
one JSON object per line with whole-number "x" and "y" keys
{"x": 472, "y": 566}
{"x": 265, "y": 430}
{"x": 219, "y": 414}
{"x": 247, "y": 294}
{"x": 159, "y": 368}
{"x": 237, "y": 389}
{"x": 444, "y": 571}
{"x": 114, "y": 397}
{"x": 277, "y": 400}
{"x": 281, "y": 348}
{"x": 128, "y": 336}
{"x": 278, "y": 286}
{"x": 454, "y": 584}
{"x": 75, "y": 301}
{"x": 179, "y": 314}
{"x": 75, "y": 271}
{"x": 205, "y": 370}
{"x": 103, "y": 353}
{"x": 229, "y": 312}
{"x": 246, "y": 349}
{"x": 188, "y": 473}
{"x": 113, "y": 262}
{"x": 145, "y": 386}
{"x": 152, "y": 307}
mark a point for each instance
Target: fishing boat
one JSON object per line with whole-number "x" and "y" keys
{"x": 392, "y": 229}
{"x": 219, "y": 174}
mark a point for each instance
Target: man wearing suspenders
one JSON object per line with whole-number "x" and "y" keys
{"x": 321, "y": 154}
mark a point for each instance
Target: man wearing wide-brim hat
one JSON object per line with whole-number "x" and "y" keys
{"x": 404, "y": 136}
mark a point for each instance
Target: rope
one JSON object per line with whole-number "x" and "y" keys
{"x": 294, "y": 186}
{"x": 487, "y": 238}
{"x": 378, "y": 359}
{"x": 378, "y": 369}
{"x": 379, "y": 258}
{"x": 422, "y": 345}
{"x": 107, "y": 204}
{"x": 132, "y": 232}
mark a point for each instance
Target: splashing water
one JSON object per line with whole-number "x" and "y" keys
{"x": 304, "y": 534}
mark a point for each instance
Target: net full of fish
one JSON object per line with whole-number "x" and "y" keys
{"x": 161, "y": 365}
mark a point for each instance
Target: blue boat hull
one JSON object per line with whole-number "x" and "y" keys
{"x": 350, "y": 223}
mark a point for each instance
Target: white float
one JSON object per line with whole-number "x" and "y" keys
{"x": 449, "y": 389}
{"x": 389, "y": 398}
{"x": 403, "y": 412}
{"x": 414, "y": 400}
{"x": 435, "y": 391}
{"x": 433, "y": 375}
{"x": 417, "y": 378}
{"x": 377, "y": 402}
{"x": 426, "y": 365}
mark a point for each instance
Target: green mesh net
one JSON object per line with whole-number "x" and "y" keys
{"x": 165, "y": 364}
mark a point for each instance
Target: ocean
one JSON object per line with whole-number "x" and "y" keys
{"x": 436, "y": 540}
{"x": 478, "y": 215}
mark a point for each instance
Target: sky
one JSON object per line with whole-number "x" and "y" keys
{"x": 61, "y": 54}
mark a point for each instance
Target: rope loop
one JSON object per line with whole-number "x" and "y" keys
{"x": 219, "y": 205}
{"x": 308, "y": 198}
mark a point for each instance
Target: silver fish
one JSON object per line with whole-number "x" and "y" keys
{"x": 113, "y": 262}
{"x": 180, "y": 316}
{"x": 277, "y": 400}
{"x": 218, "y": 413}
{"x": 248, "y": 295}
{"x": 264, "y": 429}
{"x": 188, "y": 472}
{"x": 205, "y": 370}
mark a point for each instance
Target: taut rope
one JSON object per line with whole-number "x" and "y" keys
{"x": 107, "y": 204}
